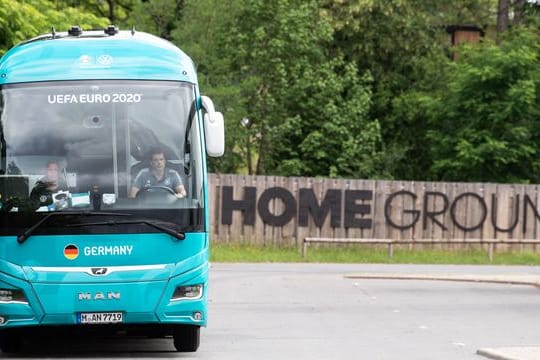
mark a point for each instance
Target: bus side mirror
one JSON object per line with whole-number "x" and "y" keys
{"x": 214, "y": 128}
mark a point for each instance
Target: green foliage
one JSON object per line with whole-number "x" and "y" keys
{"x": 117, "y": 11}
{"x": 203, "y": 33}
{"x": 158, "y": 17}
{"x": 307, "y": 108}
{"x": 22, "y": 20}
{"x": 268, "y": 62}
{"x": 407, "y": 156}
{"x": 485, "y": 124}
{"x": 332, "y": 135}
{"x": 459, "y": 12}
{"x": 277, "y": 58}
{"x": 359, "y": 88}
{"x": 346, "y": 89}
{"x": 392, "y": 39}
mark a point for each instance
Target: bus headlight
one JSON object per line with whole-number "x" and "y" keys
{"x": 189, "y": 292}
{"x": 12, "y": 296}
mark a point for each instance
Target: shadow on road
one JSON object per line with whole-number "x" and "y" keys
{"x": 98, "y": 347}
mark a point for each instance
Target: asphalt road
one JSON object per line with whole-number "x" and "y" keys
{"x": 316, "y": 311}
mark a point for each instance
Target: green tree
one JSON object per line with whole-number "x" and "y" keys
{"x": 159, "y": 17}
{"x": 117, "y": 11}
{"x": 22, "y": 20}
{"x": 516, "y": 12}
{"x": 393, "y": 40}
{"x": 405, "y": 46}
{"x": 307, "y": 107}
{"x": 203, "y": 32}
{"x": 270, "y": 63}
{"x": 486, "y": 119}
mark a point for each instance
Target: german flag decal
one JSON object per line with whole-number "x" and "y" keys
{"x": 71, "y": 252}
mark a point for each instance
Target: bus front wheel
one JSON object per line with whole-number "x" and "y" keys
{"x": 186, "y": 339}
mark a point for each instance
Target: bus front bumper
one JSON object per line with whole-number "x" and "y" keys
{"x": 181, "y": 300}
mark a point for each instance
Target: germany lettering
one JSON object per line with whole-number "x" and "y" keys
{"x": 108, "y": 250}
{"x": 354, "y": 209}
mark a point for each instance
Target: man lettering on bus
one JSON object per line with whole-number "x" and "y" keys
{"x": 158, "y": 175}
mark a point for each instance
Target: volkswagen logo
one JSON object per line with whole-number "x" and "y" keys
{"x": 105, "y": 59}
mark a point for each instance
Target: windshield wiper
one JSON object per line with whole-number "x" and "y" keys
{"x": 25, "y": 235}
{"x": 152, "y": 223}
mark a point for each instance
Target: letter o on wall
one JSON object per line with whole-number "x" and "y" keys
{"x": 483, "y": 208}
{"x": 289, "y": 203}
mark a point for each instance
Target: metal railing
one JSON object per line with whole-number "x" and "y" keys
{"x": 390, "y": 243}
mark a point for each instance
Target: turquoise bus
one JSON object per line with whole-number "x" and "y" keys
{"x": 82, "y": 116}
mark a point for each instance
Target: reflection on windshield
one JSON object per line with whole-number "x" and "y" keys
{"x": 82, "y": 144}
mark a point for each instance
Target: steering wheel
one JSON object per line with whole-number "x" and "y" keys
{"x": 158, "y": 189}
{"x": 157, "y": 194}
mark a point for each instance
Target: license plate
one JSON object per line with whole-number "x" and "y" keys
{"x": 100, "y": 318}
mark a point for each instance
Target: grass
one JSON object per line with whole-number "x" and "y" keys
{"x": 220, "y": 252}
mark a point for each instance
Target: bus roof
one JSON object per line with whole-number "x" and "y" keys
{"x": 96, "y": 55}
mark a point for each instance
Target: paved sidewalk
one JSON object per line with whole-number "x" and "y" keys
{"x": 503, "y": 353}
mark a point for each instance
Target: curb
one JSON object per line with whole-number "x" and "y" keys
{"x": 492, "y": 354}
{"x": 511, "y": 353}
{"x": 494, "y": 279}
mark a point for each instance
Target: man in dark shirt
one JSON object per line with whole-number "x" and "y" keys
{"x": 158, "y": 175}
{"x": 52, "y": 179}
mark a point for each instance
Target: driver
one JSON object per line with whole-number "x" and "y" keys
{"x": 52, "y": 179}
{"x": 158, "y": 175}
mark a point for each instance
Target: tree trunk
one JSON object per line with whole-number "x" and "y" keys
{"x": 502, "y": 17}
{"x": 261, "y": 168}
{"x": 519, "y": 8}
{"x": 112, "y": 17}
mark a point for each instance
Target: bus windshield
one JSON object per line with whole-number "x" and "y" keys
{"x": 99, "y": 145}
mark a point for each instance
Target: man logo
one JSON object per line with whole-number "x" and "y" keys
{"x": 99, "y": 271}
{"x": 99, "y": 295}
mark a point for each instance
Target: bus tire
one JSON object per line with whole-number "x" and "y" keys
{"x": 186, "y": 339}
{"x": 10, "y": 343}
